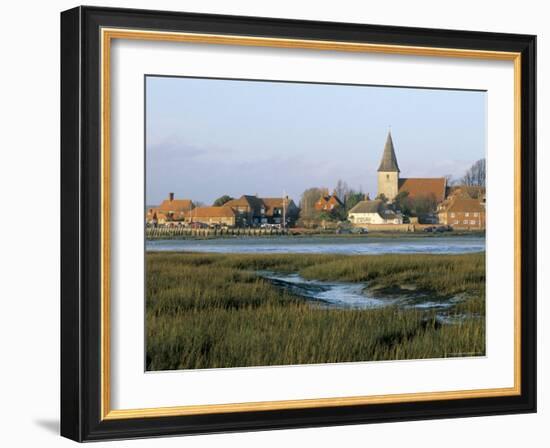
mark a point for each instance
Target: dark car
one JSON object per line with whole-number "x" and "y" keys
{"x": 429, "y": 229}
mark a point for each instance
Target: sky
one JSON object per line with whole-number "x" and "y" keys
{"x": 209, "y": 137}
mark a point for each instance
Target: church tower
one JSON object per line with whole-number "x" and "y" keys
{"x": 388, "y": 171}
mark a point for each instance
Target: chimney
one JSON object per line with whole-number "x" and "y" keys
{"x": 171, "y": 195}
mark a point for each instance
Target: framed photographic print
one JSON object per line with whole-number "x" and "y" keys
{"x": 273, "y": 223}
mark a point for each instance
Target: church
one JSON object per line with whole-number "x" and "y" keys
{"x": 390, "y": 184}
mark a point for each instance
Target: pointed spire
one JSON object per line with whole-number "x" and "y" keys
{"x": 389, "y": 161}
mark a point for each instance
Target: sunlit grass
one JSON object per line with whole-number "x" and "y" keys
{"x": 212, "y": 310}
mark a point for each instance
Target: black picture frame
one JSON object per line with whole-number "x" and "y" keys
{"x": 81, "y": 224}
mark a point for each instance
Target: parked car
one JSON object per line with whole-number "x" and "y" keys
{"x": 429, "y": 229}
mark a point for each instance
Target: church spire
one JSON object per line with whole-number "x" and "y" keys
{"x": 389, "y": 161}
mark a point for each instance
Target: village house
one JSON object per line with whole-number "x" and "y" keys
{"x": 276, "y": 208}
{"x": 156, "y": 218}
{"x": 464, "y": 208}
{"x": 373, "y": 212}
{"x": 327, "y": 203}
{"x": 171, "y": 206}
{"x": 463, "y": 213}
{"x": 221, "y": 216}
{"x": 245, "y": 212}
{"x": 390, "y": 184}
{"x": 169, "y": 210}
{"x": 252, "y": 210}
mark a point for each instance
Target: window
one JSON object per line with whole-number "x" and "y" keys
{"x": 476, "y": 214}
{"x": 466, "y": 214}
{"x": 452, "y": 215}
{"x": 465, "y": 221}
{"x": 472, "y": 222}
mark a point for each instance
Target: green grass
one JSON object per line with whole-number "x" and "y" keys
{"x": 212, "y": 310}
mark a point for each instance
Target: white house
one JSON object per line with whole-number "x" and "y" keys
{"x": 373, "y": 212}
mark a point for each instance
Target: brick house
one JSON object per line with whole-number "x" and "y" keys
{"x": 223, "y": 215}
{"x": 252, "y": 210}
{"x": 156, "y": 218}
{"x": 327, "y": 203}
{"x": 463, "y": 213}
{"x": 169, "y": 210}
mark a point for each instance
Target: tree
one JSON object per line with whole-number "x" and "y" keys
{"x": 222, "y": 200}
{"x": 422, "y": 205}
{"x": 342, "y": 190}
{"x": 403, "y": 202}
{"x": 382, "y": 197}
{"x": 449, "y": 180}
{"x": 353, "y": 198}
{"x": 308, "y": 200}
{"x": 415, "y": 206}
{"x": 331, "y": 215}
{"x": 475, "y": 176}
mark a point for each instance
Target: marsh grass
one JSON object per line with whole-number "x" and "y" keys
{"x": 212, "y": 310}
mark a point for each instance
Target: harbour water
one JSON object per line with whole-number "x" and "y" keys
{"x": 331, "y": 245}
{"x": 347, "y": 295}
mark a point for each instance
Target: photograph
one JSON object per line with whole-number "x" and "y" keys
{"x": 293, "y": 220}
{"x": 299, "y": 223}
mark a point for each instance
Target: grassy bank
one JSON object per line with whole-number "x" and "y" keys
{"x": 212, "y": 310}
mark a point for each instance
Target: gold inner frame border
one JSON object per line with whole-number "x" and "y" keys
{"x": 107, "y": 35}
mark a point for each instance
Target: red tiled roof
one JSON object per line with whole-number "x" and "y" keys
{"x": 425, "y": 186}
{"x": 465, "y": 205}
{"x": 253, "y": 202}
{"x": 211, "y": 212}
{"x": 176, "y": 205}
{"x": 328, "y": 199}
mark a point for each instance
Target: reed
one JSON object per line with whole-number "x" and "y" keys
{"x": 213, "y": 310}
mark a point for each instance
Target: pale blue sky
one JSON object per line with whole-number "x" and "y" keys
{"x": 206, "y": 138}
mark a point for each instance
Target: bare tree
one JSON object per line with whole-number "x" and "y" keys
{"x": 308, "y": 200}
{"x": 475, "y": 176}
{"x": 449, "y": 180}
{"x": 342, "y": 190}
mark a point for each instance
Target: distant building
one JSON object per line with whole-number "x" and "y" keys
{"x": 373, "y": 212}
{"x": 275, "y": 208}
{"x": 463, "y": 212}
{"x": 252, "y": 210}
{"x": 222, "y": 215}
{"x": 327, "y": 203}
{"x": 156, "y": 218}
{"x": 249, "y": 209}
{"x": 246, "y": 211}
{"x": 169, "y": 210}
{"x": 171, "y": 205}
{"x": 389, "y": 183}
{"x": 429, "y": 187}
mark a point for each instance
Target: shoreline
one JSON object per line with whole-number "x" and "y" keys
{"x": 321, "y": 235}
